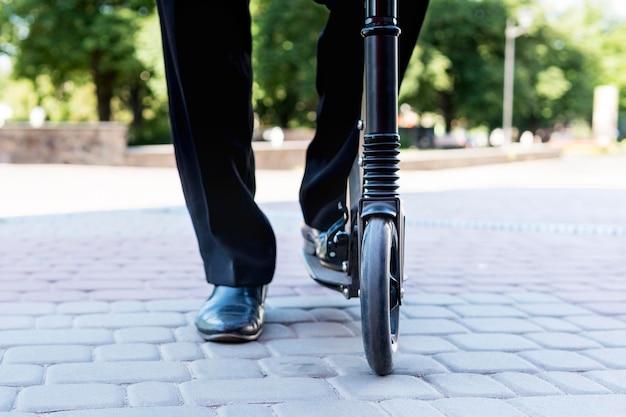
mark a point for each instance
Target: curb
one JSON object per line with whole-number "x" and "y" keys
{"x": 290, "y": 155}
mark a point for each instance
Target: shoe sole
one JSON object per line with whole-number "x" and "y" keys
{"x": 230, "y": 337}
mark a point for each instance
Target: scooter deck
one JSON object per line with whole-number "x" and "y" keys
{"x": 324, "y": 275}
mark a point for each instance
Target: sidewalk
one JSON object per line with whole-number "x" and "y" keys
{"x": 515, "y": 300}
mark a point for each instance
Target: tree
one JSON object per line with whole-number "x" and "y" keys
{"x": 81, "y": 41}
{"x": 458, "y": 67}
{"x": 284, "y": 59}
{"x": 460, "y": 53}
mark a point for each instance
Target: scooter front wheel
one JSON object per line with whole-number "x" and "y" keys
{"x": 379, "y": 292}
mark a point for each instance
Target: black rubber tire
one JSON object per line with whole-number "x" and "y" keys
{"x": 380, "y": 303}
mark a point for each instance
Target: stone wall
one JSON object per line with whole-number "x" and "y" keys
{"x": 98, "y": 143}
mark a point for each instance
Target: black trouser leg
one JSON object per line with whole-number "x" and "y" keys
{"x": 334, "y": 146}
{"x": 212, "y": 122}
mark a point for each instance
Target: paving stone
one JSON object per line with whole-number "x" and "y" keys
{"x": 491, "y": 342}
{"x": 560, "y": 360}
{"x": 407, "y": 407}
{"x": 555, "y": 324}
{"x": 20, "y": 375}
{"x": 597, "y": 322}
{"x": 277, "y": 331}
{"x": 609, "y": 338}
{"x": 178, "y": 411}
{"x": 572, "y": 406}
{"x": 245, "y": 410}
{"x": 16, "y": 322}
{"x": 499, "y": 325}
{"x": 420, "y": 311}
{"x": 487, "y": 310}
{"x": 476, "y": 407}
{"x": 574, "y": 383}
{"x": 317, "y": 346}
{"x": 225, "y": 368}
{"x": 484, "y": 362}
{"x": 375, "y": 388}
{"x": 553, "y": 309}
{"x": 152, "y": 394}
{"x": 117, "y": 372}
{"x": 122, "y": 320}
{"x": 27, "y": 308}
{"x": 7, "y": 397}
{"x": 181, "y": 351}
{"x": 287, "y": 315}
{"x": 56, "y": 321}
{"x": 83, "y": 307}
{"x": 55, "y": 336}
{"x": 431, "y": 327}
{"x": 560, "y": 340}
{"x": 250, "y": 350}
{"x": 296, "y": 366}
{"x": 526, "y": 385}
{"x": 57, "y": 397}
{"x": 424, "y": 344}
{"x": 613, "y": 379}
{"x": 47, "y": 354}
{"x": 349, "y": 364}
{"x": 126, "y": 352}
{"x": 325, "y": 314}
{"x": 468, "y": 385}
{"x": 314, "y": 330}
{"x": 343, "y": 408}
{"x": 610, "y": 357}
{"x": 144, "y": 335}
{"x": 416, "y": 365}
{"x": 207, "y": 392}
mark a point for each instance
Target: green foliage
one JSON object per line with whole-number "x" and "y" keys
{"x": 284, "y": 57}
{"x": 101, "y": 59}
{"x": 80, "y": 41}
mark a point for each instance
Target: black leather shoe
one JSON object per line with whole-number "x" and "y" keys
{"x": 330, "y": 246}
{"x": 232, "y": 314}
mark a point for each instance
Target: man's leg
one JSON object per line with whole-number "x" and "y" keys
{"x": 212, "y": 121}
{"x": 334, "y": 147}
{"x": 212, "y": 124}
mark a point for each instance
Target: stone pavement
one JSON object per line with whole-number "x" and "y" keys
{"x": 515, "y": 300}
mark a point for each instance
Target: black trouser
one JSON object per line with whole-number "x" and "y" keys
{"x": 207, "y": 51}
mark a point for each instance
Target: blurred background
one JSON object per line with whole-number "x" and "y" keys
{"x": 485, "y": 72}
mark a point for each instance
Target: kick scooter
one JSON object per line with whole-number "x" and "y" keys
{"x": 372, "y": 240}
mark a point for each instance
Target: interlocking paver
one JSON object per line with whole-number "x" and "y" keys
{"x": 484, "y": 362}
{"x": 17, "y": 375}
{"x": 503, "y": 342}
{"x": 574, "y": 383}
{"x": 468, "y": 385}
{"x": 572, "y": 406}
{"x": 328, "y": 408}
{"x": 368, "y": 387}
{"x": 122, "y": 372}
{"x": 525, "y": 384}
{"x": 225, "y": 368}
{"x": 126, "y": 352}
{"x": 152, "y": 394}
{"x": 57, "y": 397}
{"x": 476, "y": 407}
{"x": 560, "y": 360}
{"x": 513, "y": 307}
{"x": 613, "y": 379}
{"x": 47, "y": 354}
{"x": 209, "y": 392}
